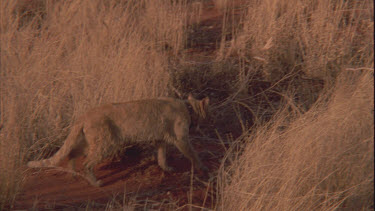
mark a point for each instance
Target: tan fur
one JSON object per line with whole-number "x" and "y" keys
{"x": 104, "y": 131}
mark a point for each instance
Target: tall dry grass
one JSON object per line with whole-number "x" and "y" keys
{"x": 320, "y": 160}
{"x": 60, "y": 58}
{"x": 318, "y": 38}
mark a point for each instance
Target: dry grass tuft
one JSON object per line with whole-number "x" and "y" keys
{"x": 320, "y": 160}
{"x": 318, "y": 38}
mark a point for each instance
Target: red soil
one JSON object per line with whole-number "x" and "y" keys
{"x": 136, "y": 177}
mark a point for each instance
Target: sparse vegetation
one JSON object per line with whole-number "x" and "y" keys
{"x": 291, "y": 83}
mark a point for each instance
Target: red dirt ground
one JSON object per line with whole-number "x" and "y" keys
{"x": 136, "y": 177}
{"x": 137, "y": 174}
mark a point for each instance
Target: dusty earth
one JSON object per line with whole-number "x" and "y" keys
{"x": 136, "y": 179}
{"x": 133, "y": 178}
